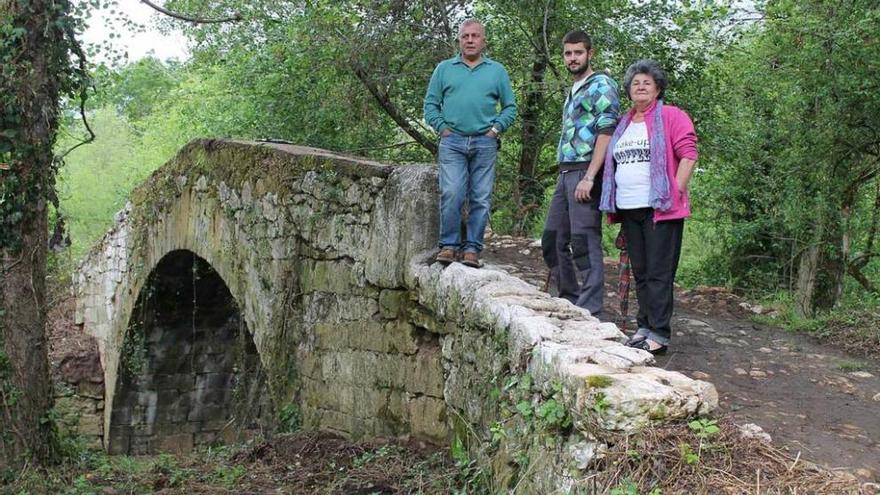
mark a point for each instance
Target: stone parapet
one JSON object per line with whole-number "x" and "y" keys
{"x": 503, "y": 331}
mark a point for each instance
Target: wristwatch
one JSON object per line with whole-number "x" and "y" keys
{"x": 496, "y": 129}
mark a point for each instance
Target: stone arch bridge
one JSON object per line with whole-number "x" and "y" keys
{"x": 250, "y": 284}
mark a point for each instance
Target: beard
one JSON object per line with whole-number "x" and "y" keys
{"x": 576, "y": 71}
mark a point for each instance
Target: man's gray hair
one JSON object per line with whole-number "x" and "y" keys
{"x": 469, "y": 21}
{"x": 647, "y": 67}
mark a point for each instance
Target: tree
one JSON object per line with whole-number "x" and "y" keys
{"x": 37, "y": 37}
{"x": 798, "y": 156}
{"x": 41, "y": 63}
{"x": 386, "y": 51}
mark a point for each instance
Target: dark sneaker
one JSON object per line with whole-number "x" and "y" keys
{"x": 446, "y": 256}
{"x": 471, "y": 259}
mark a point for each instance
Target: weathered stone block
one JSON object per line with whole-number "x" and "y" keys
{"x": 387, "y": 337}
{"x": 121, "y": 415}
{"x": 310, "y": 362}
{"x": 392, "y": 303}
{"x": 403, "y": 224}
{"x": 332, "y": 335}
{"x": 90, "y": 424}
{"x": 207, "y": 412}
{"x": 213, "y": 380}
{"x": 328, "y": 395}
{"x": 343, "y": 423}
{"x": 337, "y": 277}
{"x": 400, "y": 337}
{"x": 120, "y": 440}
{"x": 176, "y": 444}
{"x": 424, "y": 373}
{"x": 423, "y": 318}
{"x": 176, "y": 381}
{"x": 73, "y": 406}
{"x": 427, "y": 418}
{"x": 91, "y": 390}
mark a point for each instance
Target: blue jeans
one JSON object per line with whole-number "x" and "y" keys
{"x": 467, "y": 170}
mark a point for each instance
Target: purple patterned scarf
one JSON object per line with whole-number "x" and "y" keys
{"x": 660, "y": 197}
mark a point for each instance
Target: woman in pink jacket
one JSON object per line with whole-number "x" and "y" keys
{"x": 647, "y": 169}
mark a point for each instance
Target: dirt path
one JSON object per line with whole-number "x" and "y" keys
{"x": 809, "y": 397}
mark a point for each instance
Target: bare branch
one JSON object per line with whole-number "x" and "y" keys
{"x": 389, "y": 107}
{"x": 380, "y": 148}
{"x": 856, "y": 273}
{"x": 83, "y": 92}
{"x": 195, "y": 20}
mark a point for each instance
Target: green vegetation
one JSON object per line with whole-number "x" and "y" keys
{"x": 787, "y": 198}
{"x": 301, "y": 463}
{"x": 851, "y": 366}
{"x": 542, "y": 411}
{"x": 289, "y": 419}
{"x": 598, "y": 381}
{"x": 786, "y": 192}
{"x": 704, "y": 429}
{"x": 628, "y": 487}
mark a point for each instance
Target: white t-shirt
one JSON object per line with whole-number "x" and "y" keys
{"x": 577, "y": 85}
{"x": 633, "y": 174}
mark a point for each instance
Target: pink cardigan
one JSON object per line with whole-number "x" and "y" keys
{"x": 681, "y": 142}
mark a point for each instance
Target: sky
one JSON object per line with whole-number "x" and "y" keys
{"x": 138, "y": 45}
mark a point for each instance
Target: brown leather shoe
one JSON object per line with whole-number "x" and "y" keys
{"x": 446, "y": 255}
{"x": 471, "y": 259}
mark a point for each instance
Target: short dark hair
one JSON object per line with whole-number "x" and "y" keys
{"x": 578, "y": 36}
{"x": 647, "y": 67}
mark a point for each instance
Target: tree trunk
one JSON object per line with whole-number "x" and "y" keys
{"x": 32, "y": 83}
{"x": 821, "y": 268}
{"x": 528, "y": 193}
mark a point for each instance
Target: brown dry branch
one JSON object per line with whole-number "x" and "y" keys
{"x": 727, "y": 464}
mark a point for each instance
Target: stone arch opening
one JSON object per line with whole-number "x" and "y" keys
{"x": 189, "y": 371}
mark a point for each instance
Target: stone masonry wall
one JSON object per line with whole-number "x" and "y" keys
{"x": 328, "y": 259}
{"x": 313, "y": 249}
{"x": 536, "y": 386}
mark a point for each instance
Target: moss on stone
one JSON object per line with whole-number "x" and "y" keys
{"x": 658, "y": 412}
{"x": 598, "y": 381}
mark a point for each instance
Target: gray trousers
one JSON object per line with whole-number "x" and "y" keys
{"x": 572, "y": 245}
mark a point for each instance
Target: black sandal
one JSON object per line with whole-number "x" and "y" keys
{"x": 635, "y": 339}
{"x": 645, "y": 346}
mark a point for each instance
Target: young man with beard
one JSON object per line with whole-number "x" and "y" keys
{"x": 572, "y": 239}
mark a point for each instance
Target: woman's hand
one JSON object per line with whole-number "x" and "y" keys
{"x": 683, "y": 177}
{"x": 682, "y": 186}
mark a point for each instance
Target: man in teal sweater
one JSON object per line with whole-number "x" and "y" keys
{"x": 462, "y": 105}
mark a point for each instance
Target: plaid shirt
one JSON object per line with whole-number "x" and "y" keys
{"x": 586, "y": 114}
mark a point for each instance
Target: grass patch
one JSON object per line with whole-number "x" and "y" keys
{"x": 850, "y": 366}
{"x": 302, "y": 463}
{"x": 853, "y": 326}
